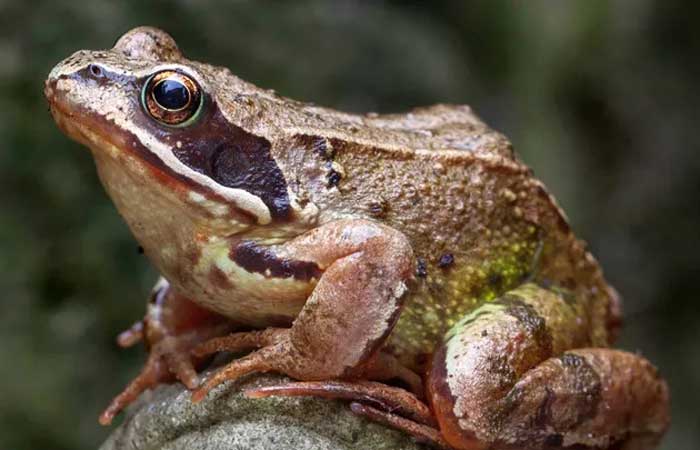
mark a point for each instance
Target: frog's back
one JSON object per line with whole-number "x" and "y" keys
{"x": 434, "y": 173}
{"x": 479, "y": 222}
{"x": 441, "y": 128}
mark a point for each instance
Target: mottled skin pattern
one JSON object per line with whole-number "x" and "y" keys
{"x": 351, "y": 250}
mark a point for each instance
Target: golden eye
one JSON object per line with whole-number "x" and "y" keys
{"x": 172, "y": 98}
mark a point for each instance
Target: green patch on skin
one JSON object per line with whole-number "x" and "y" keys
{"x": 523, "y": 294}
{"x": 449, "y": 300}
{"x": 483, "y": 283}
{"x": 483, "y": 310}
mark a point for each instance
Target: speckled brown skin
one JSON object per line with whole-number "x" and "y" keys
{"x": 373, "y": 245}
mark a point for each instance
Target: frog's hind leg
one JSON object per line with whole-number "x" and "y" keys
{"x": 506, "y": 377}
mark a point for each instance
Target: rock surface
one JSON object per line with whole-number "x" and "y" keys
{"x": 166, "y": 419}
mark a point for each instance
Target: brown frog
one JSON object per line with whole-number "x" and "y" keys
{"x": 409, "y": 263}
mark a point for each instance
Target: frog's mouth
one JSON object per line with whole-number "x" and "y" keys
{"x": 78, "y": 127}
{"x": 81, "y": 125}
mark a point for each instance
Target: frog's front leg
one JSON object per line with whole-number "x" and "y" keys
{"x": 173, "y": 325}
{"x": 351, "y": 310}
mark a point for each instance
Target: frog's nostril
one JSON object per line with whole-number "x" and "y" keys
{"x": 96, "y": 70}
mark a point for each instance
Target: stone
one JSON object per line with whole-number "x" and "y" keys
{"x": 166, "y": 419}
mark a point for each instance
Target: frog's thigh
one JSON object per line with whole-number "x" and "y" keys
{"x": 506, "y": 378}
{"x": 357, "y": 300}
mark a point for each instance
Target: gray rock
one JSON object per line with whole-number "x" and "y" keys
{"x": 166, "y": 419}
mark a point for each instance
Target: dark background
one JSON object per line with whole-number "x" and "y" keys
{"x": 599, "y": 97}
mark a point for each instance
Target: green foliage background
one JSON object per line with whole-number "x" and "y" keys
{"x": 599, "y": 97}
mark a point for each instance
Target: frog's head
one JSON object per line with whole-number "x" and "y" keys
{"x": 179, "y": 129}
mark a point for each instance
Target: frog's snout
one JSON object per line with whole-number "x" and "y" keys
{"x": 61, "y": 71}
{"x": 49, "y": 89}
{"x": 54, "y": 95}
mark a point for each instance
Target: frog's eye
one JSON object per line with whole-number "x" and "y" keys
{"x": 172, "y": 98}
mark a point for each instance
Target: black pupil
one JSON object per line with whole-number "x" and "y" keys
{"x": 171, "y": 94}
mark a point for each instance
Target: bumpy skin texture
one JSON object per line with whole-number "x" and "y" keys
{"x": 375, "y": 247}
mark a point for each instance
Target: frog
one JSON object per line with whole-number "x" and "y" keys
{"x": 409, "y": 264}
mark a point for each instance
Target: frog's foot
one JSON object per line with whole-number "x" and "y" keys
{"x": 173, "y": 326}
{"x": 391, "y": 406}
{"x": 169, "y": 359}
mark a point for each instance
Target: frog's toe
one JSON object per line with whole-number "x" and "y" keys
{"x": 153, "y": 373}
{"x": 259, "y": 361}
{"x": 392, "y": 399}
{"x": 422, "y": 433}
{"x": 132, "y": 336}
{"x": 181, "y": 365}
{"x": 241, "y": 341}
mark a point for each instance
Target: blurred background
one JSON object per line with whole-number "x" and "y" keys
{"x": 599, "y": 97}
